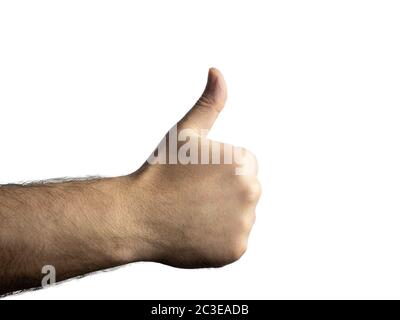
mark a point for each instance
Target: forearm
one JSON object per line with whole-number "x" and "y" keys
{"x": 75, "y": 226}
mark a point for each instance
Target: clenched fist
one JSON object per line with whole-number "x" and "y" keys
{"x": 198, "y": 196}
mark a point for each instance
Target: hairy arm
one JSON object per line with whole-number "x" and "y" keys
{"x": 75, "y": 226}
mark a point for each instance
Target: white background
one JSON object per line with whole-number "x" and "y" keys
{"x": 90, "y": 87}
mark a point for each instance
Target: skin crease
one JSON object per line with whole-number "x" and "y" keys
{"x": 185, "y": 216}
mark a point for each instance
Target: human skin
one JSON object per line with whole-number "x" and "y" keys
{"x": 188, "y": 216}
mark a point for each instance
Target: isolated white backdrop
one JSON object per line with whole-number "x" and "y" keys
{"x": 90, "y": 87}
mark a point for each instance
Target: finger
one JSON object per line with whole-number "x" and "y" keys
{"x": 206, "y": 110}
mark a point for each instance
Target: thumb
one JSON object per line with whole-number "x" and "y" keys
{"x": 206, "y": 110}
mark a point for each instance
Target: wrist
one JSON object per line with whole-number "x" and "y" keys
{"x": 130, "y": 239}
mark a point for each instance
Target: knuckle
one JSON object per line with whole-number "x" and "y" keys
{"x": 250, "y": 161}
{"x": 247, "y": 222}
{"x": 239, "y": 250}
{"x": 204, "y": 101}
{"x": 234, "y": 251}
{"x": 250, "y": 156}
{"x": 247, "y": 160}
{"x": 239, "y": 155}
{"x": 252, "y": 191}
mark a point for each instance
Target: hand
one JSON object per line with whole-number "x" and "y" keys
{"x": 194, "y": 214}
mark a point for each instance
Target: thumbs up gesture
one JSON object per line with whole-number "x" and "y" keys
{"x": 196, "y": 197}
